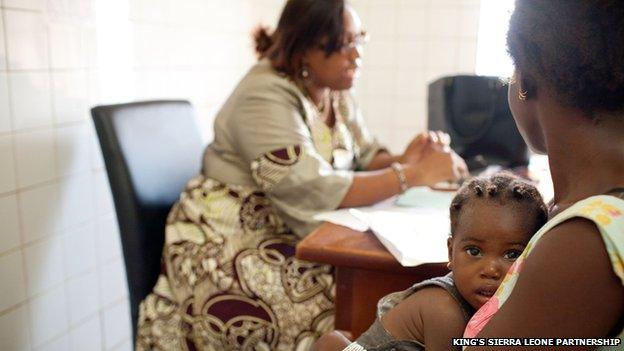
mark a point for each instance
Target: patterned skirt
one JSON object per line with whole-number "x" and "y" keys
{"x": 230, "y": 280}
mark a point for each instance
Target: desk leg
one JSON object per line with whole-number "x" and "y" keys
{"x": 358, "y": 290}
{"x": 344, "y": 298}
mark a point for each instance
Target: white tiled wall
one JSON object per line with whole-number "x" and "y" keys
{"x": 61, "y": 270}
{"x": 412, "y": 42}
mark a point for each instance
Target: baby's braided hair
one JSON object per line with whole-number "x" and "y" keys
{"x": 504, "y": 188}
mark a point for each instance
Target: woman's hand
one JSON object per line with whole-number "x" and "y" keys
{"x": 418, "y": 146}
{"x": 437, "y": 164}
{"x": 429, "y": 159}
{"x": 414, "y": 150}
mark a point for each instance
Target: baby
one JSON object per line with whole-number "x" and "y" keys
{"x": 492, "y": 220}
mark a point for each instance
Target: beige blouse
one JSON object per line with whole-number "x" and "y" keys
{"x": 268, "y": 135}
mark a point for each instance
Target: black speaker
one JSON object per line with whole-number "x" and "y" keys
{"x": 474, "y": 111}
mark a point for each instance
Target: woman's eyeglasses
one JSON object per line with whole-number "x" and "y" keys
{"x": 352, "y": 42}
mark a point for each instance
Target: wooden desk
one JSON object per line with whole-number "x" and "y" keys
{"x": 365, "y": 271}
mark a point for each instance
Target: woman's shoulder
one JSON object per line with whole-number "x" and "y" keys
{"x": 605, "y": 211}
{"x": 597, "y": 204}
{"x": 600, "y": 217}
{"x": 262, "y": 78}
{"x": 262, "y": 93}
{"x": 595, "y": 222}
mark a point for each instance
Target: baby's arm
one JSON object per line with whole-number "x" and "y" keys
{"x": 431, "y": 316}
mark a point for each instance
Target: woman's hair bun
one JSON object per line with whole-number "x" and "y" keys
{"x": 263, "y": 40}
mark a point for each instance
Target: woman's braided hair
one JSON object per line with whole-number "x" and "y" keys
{"x": 505, "y": 189}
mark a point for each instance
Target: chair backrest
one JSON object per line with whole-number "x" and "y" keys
{"x": 475, "y": 112}
{"x": 151, "y": 149}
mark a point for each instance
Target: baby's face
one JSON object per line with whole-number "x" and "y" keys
{"x": 488, "y": 239}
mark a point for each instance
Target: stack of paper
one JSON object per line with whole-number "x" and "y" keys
{"x": 413, "y": 238}
{"x": 413, "y": 227}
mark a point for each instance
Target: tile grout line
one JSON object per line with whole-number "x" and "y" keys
{"x": 55, "y": 180}
{"x": 56, "y": 170}
{"x": 25, "y": 302}
{"x": 91, "y": 270}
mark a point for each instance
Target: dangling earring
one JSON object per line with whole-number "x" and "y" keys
{"x": 522, "y": 94}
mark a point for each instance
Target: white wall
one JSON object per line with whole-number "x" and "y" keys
{"x": 412, "y": 43}
{"x": 62, "y": 283}
{"x": 492, "y": 56}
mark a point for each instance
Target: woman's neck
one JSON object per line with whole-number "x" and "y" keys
{"x": 586, "y": 156}
{"x": 317, "y": 94}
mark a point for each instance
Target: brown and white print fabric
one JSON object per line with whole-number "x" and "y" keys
{"x": 230, "y": 280}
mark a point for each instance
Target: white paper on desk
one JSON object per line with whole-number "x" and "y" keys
{"x": 413, "y": 237}
{"x": 425, "y": 197}
{"x": 345, "y": 218}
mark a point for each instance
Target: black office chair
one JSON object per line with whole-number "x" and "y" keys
{"x": 151, "y": 149}
{"x": 475, "y": 113}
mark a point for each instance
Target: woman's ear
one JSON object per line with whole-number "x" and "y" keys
{"x": 524, "y": 100}
{"x": 527, "y": 90}
{"x": 449, "y": 245}
{"x": 527, "y": 85}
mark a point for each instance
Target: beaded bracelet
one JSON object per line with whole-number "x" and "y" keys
{"x": 398, "y": 169}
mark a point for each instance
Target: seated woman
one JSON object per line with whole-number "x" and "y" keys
{"x": 289, "y": 143}
{"x": 431, "y": 313}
